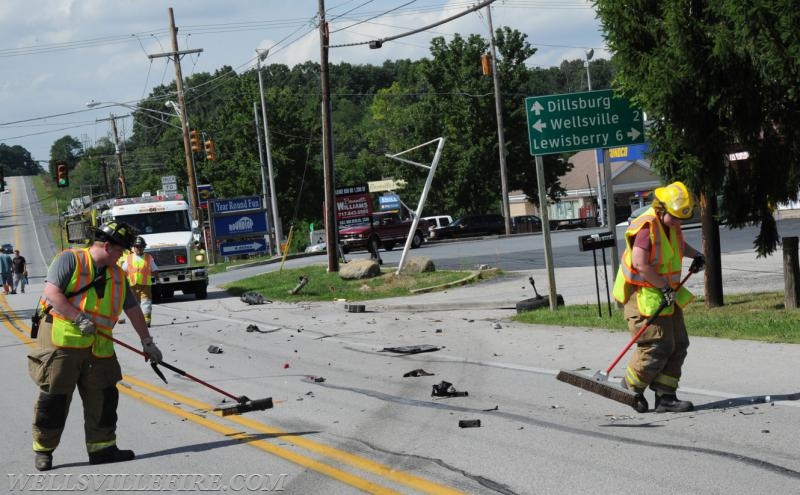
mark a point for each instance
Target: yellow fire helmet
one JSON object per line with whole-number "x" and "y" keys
{"x": 678, "y": 201}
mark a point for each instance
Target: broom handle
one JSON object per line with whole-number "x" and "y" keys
{"x": 169, "y": 366}
{"x": 644, "y": 327}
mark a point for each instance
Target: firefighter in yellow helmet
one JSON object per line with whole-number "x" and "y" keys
{"x": 84, "y": 294}
{"x": 648, "y": 276}
{"x": 142, "y": 270}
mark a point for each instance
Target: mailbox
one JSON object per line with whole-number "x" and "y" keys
{"x": 596, "y": 241}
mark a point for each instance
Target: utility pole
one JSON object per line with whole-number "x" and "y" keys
{"x": 123, "y": 188}
{"x": 175, "y": 55}
{"x": 262, "y": 54}
{"x": 498, "y": 105}
{"x": 263, "y": 179}
{"x": 601, "y": 214}
{"x": 327, "y": 145}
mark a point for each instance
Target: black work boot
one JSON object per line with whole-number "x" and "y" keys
{"x": 671, "y": 403}
{"x": 111, "y": 454}
{"x": 641, "y": 405}
{"x": 43, "y": 461}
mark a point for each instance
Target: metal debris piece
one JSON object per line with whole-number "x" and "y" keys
{"x": 301, "y": 282}
{"x": 354, "y": 308}
{"x": 417, "y": 372}
{"x": 214, "y": 349}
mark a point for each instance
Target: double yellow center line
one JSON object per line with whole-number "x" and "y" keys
{"x": 152, "y": 395}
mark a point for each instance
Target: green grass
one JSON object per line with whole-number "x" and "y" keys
{"x": 756, "y": 316}
{"x": 324, "y": 286}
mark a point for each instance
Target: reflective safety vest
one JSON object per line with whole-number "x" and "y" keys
{"x": 138, "y": 268}
{"x": 103, "y": 312}
{"x": 666, "y": 254}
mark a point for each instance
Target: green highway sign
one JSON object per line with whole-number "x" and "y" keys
{"x": 580, "y": 121}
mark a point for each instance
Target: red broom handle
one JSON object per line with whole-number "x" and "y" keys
{"x": 644, "y": 327}
{"x": 169, "y": 366}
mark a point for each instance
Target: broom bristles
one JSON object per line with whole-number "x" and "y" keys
{"x": 251, "y": 405}
{"x": 598, "y": 387}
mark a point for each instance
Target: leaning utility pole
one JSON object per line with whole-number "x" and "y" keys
{"x": 498, "y": 105}
{"x": 123, "y": 188}
{"x": 175, "y": 54}
{"x": 327, "y": 146}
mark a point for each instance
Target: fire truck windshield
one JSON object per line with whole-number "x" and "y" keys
{"x": 158, "y": 223}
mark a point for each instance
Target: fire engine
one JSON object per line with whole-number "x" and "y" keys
{"x": 165, "y": 223}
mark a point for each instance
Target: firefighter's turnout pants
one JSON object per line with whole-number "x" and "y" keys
{"x": 660, "y": 350}
{"x": 144, "y": 294}
{"x": 57, "y": 371}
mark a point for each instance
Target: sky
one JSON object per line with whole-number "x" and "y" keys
{"x": 57, "y": 55}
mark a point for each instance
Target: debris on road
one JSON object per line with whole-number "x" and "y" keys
{"x": 214, "y": 349}
{"x": 411, "y": 349}
{"x": 417, "y": 372}
{"x": 354, "y": 308}
{"x": 446, "y": 389}
{"x": 469, "y": 423}
{"x": 254, "y": 298}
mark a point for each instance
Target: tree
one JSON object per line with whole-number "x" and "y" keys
{"x": 716, "y": 76}
{"x": 17, "y": 160}
{"x": 67, "y": 150}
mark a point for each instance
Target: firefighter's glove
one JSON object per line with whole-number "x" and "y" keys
{"x": 698, "y": 263}
{"x": 85, "y": 324}
{"x": 668, "y": 295}
{"x": 152, "y": 352}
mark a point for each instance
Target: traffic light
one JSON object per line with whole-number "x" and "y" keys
{"x": 194, "y": 140}
{"x": 211, "y": 153}
{"x": 62, "y": 175}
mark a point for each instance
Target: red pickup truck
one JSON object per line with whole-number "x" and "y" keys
{"x": 387, "y": 229}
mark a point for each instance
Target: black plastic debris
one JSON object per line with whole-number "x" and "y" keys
{"x": 253, "y": 328}
{"x": 411, "y": 349}
{"x": 213, "y": 349}
{"x": 417, "y": 372}
{"x": 355, "y": 308}
{"x": 446, "y": 389}
{"x": 254, "y": 298}
{"x": 469, "y": 423}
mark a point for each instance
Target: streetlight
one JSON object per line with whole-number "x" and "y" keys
{"x": 589, "y": 54}
{"x": 262, "y": 54}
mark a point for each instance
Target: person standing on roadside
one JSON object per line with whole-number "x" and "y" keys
{"x": 5, "y": 271}
{"x": 20, "y": 272}
{"x": 141, "y": 269}
{"x": 84, "y": 294}
{"x": 648, "y": 281}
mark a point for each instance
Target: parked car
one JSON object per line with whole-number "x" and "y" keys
{"x": 386, "y": 229}
{"x": 471, "y": 225}
{"x": 437, "y": 221}
{"x": 7, "y": 248}
{"x": 523, "y": 224}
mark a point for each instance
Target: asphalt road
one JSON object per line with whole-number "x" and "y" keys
{"x": 367, "y": 428}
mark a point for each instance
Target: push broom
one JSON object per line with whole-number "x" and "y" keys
{"x": 243, "y": 404}
{"x": 599, "y": 384}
